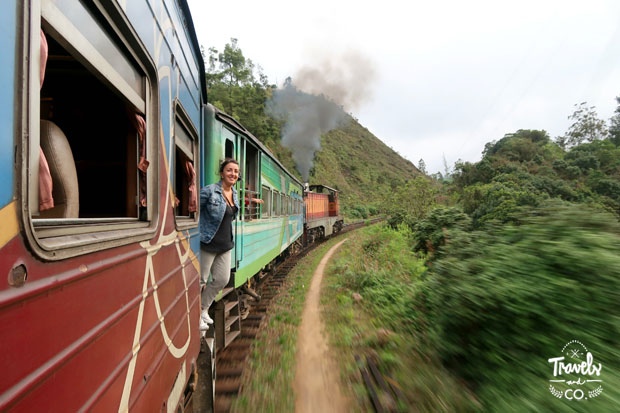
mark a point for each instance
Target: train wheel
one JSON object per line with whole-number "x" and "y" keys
{"x": 204, "y": 399}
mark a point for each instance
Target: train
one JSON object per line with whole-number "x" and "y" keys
{"x": 107, "y": 138}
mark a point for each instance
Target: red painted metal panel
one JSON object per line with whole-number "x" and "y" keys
{"x": 334, "y": 207}
{"x": 316, "y": 206}
{"x": 68, "y": 333}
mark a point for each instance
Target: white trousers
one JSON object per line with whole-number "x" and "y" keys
{"x": 218, "y": 264}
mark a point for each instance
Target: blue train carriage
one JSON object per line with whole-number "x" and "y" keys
{"x": 263, "y": 231}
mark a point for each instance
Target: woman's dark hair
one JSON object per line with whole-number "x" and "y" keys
{"x": 226, "y": 162}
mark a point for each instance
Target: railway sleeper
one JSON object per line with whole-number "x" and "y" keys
{"x": 383, "y": 391}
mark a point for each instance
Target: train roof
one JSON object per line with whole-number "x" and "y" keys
{"x": 233, "y": 123}
{"x": 191, "y": 32}
{"x": 323, "y": 186}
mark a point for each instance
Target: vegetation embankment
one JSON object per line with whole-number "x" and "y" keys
{"x": 466, "y": 319}
{"x": 522, "y": 255}
{"x": 369, "y": 306}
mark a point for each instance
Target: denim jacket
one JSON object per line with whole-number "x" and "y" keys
{"x": 212, "y": 209}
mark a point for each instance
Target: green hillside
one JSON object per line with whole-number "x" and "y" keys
{"x": 360, "y": 165}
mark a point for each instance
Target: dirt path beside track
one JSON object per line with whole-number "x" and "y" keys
{"x": 317, "y": 381}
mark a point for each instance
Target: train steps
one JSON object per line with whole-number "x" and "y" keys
{"x": 227, "y": 318}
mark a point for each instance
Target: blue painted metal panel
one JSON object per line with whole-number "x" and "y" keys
{"x": 137, "y": 11}
{"x": 8, "y": 39}
{"x": 189, "y": 104}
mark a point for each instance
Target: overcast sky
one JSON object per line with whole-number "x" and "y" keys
{"x": 435, "y": 78}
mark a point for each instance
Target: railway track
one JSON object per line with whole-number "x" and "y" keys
{"x": 232, "y": 360}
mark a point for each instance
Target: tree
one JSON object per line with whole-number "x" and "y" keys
{"x": 422, "y": 166}
{"x": 614, "y": 127}
{"x": 446, "y": 168}
{"x": 241, "y": 89}
{"x": 586, "y": 127}
{"x": 234, "y": 72}
{"x": 412, "y": 200}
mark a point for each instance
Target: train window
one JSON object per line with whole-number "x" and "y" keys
{"x": 251, "y": 181}
{"x": 229, "y": 150}
{"x": 266, "y": 206}
{"x": 185, "y": 184}
{"x": 275, "y": 210}
{"x": 93, "y": 106}
{"x": 279, "y": 204}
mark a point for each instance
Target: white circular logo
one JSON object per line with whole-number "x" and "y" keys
{"x": 575, "y": 374}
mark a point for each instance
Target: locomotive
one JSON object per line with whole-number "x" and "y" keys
{"x": 106, "y": 139}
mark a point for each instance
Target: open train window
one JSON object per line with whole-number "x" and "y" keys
{"x": 266, "y": 207}
{"x": 184, "y": 177}
{"x": 229, "y": 150}
{"x": 89, "y": 128}
{"x": 251, "y": 182}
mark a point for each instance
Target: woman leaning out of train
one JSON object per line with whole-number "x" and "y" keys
{"x": 218, "y": 208}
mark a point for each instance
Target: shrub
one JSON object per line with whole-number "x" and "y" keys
{"x": 502, "y": 302}
{"x": 430, "y": 232}
{"x": 361, "y": 209}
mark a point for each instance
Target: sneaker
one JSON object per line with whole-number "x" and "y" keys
{"x": 204, "y": 326}
{"x": 204, "y": 317}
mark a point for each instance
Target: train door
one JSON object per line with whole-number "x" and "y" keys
{"x": 241, "y": 190}
{"x": 231, "y": 150}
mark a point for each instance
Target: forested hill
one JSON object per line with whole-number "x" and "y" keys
{"x": 351, "y": 159}
{"x": 359, "y": 164}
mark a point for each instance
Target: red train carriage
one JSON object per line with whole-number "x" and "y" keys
{"x": 99, "y": 292}
{"x": 322, "y": 212}
{"x": 317, "y": 206}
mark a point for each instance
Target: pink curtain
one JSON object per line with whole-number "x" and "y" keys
{"x": 193, "y": 196}
{"x": 143, "y": 164}
{"x": 43, "y": 56}
{"x": 46, "y": 200}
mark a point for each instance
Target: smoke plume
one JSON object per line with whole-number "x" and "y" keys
{"x": 347, "y": 79}
{"x": 305, "y": 118}
{"x": 315, "y": 103}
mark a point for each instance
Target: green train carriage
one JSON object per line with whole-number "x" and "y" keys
{"x": 263, "y": 231}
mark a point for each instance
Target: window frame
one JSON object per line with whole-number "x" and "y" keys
{"x": 55, "y": 239}
{"x": 266, "y": 206}
{"x": 180, "y": 115}
{"x": 275, "y": 203}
